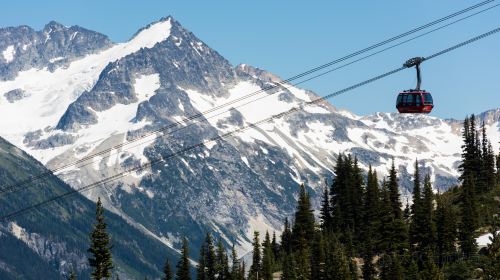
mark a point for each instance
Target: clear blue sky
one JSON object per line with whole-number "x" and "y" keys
{"x": 289, "y": 37}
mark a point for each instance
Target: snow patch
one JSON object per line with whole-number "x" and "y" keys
{"x": 52, "y": 92}
{"x": 55, "y": 59}
{"x": 484, "y": 240}
{"x": 146, "y": 85}
{"x": 8, "y": 53}
{"x": 245, "y": 160}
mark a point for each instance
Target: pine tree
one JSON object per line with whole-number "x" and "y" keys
{"x": 286, "y": 238}
{"x": 371, "y": 207}
{"x": 201, "y": 268}
{"x": 289, "y": 266}
{"x": 407, "y": 212}
{"x": 337, "y": 263}
{"x": 488, "y": 176}
{"x": 491, "y": 267}
{"x": 394, "y": 192}
{"x": 356, "y": 189}
{"x": 100, "y": 246}
{"x": 304, "y": 218}
{"x": 325, "y": 211}
{"x": 236, "y": 266}
{"x": 267, "y": 259}
{"x": 430, "y": 270}
{"x": 369, "y": 271}
{"x": 255, "y": 268}
{"x": 208, "y": 271}
{"x": 276, "y": 248}
{"x": 183, "y": 272}
{"x": 428, "y": 227}
{"x": 416, "y": 214}
{"x": 390, "y": 267}
{"x": 393, "y": 232}
{"x": 318, "y": 257}
{"x": 471, "y": 150}
{"x": 167, "y": 271}
{"x": 468, "y": 213}
{"x": 337, "y": 195}
{"x": 222, "y": 263}
{"x": 446, "y": 232}
{"x": 498, "y": 169}
{"x": 302, "y": 259}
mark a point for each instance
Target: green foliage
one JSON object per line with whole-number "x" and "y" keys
{"x": 183, "y": 272}
{"x": 255, "y": 268}
{"x": 468, "y": 221}
{"x": 446, "y": 229}
{"x": 267, "y": 259}
{"x": 237, "y": 269}
{"x": 222, "y": 263}
{"x": 167, "y": 271}
{"x": 491, "y": 265}
{"x": 304, "y": 219}
{"x": 100, "y": 246}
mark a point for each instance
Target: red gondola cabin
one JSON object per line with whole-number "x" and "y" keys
{"x": 412, "y": 101}
{"x": 415, "y": 100}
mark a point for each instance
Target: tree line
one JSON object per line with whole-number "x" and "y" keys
{"x": 363, "y": 231}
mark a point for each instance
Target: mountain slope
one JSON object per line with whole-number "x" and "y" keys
{"x": 51, "y": 241}
{"x": 245, "y": 182}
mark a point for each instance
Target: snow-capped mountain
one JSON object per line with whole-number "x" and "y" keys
{"x": 112, "y": 93}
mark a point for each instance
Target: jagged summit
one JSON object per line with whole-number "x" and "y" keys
{"x": 54, "y": 26}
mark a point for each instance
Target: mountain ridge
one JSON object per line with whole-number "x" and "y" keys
{"x": 230, "y": 187}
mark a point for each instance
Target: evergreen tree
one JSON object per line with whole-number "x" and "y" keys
{"x": 393, "y": 188}
{"x": 471, "y": 150}
{"x": 255, "y": 268}
{"x": 428, "y": 226}
{"x": 445, "y": 230}
{"x": 391, "y": 268}
{"x": 183, "y": 272}
{"x": 325, "y": 211}
{"x": 318, "y": 257}
{"x": 337, "y": 195}
{"x": 407, "y": 212}
{"x": 304, "y": 219}
{"x": 289, "y": 266}
{"x": 222, "y": 263}
{"x": 498, "y": 169}
{"x": 267, "y": 259}
{"x": 430, "y": 270}
{"x": 275, "y": 247}
{"x": 369, "y": 271}
{"x": 286, "y": 238}
{"x": 167, "y": 271}
{"x": 100, "y": 246}
{"x": 356, "y": 189}
{"x": 468, "y": 214}
{"x": 209, "y": 270}
{"x": 488, "y": 176}
{"x": 201, "y": 268}
{"x": 236, "y": 267}
{"x": 415, "y": 230}
{"x": 302, "y": 259}
{"x": 371, "y": 207}
{"x": 492, "y": 265}
{"x": 393, "y": 232}
{"x": 337, "y": 263}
